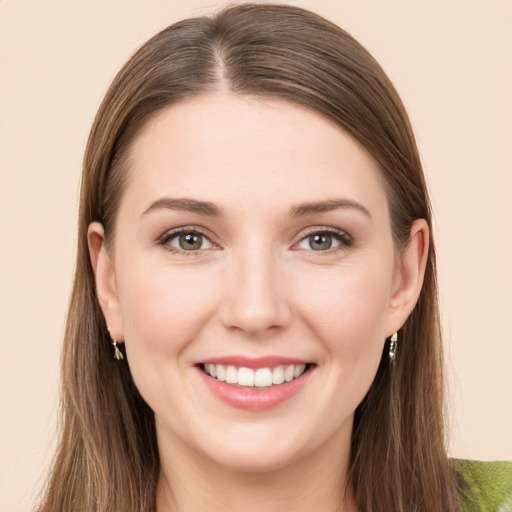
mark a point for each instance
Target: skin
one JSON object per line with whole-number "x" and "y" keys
{"x": 256, "y": 287}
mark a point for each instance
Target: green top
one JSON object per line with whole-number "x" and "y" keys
{"x": 486, "y": 486}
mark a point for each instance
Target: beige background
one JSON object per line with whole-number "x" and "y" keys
{"x": 449, "y": 60}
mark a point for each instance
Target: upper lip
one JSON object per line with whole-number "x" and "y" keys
{"x": 254, "y": 362}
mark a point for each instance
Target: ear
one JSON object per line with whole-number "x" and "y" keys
{"x": 409, "y": 276}
{"x": 104, "y": 276}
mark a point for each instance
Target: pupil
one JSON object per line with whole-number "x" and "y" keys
{"x": 320, "y": 242}
{"x": 190, "y": 241}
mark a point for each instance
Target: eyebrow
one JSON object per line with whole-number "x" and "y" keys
{"x": 185, "y": 204}
{"x": 327, "y": 206}
{"x": 210, "y": 209}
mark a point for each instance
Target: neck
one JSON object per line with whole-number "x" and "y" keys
{"x": 189, "y": 482}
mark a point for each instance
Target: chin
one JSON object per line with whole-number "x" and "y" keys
{"x": 259, "y": 448}
{"x": 254, "y": 460}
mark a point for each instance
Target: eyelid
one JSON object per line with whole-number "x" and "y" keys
{"x": 175, "y": 232}
{"x": 340, "y": 235}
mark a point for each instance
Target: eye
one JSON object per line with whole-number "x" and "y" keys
{"x": 322, "y": 241}
{"x": 187, "y": 240}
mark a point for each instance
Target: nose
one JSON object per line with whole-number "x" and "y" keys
{"x": 255, "y": 294}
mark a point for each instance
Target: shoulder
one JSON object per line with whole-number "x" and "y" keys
{"x": 485, "y": 486}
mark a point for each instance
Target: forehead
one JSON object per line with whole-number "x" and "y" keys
{"x": 223, "y": 147}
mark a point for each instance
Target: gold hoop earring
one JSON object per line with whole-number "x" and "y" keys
{"x": 393, "y": 341}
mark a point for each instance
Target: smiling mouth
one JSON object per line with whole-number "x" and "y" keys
{"x": 258, "y": 378}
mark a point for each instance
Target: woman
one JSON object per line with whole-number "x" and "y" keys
{"x": 254, "y": 318}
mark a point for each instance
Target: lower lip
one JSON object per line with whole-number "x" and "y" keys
{"x": 255, "y": 399}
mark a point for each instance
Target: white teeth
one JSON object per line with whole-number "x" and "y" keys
{"x": 210, "y": 369}
{"x": 278, "y": 375}
{"x": 260, "y": 378}
{"x": 246, "y": 377}
{"x": 263, "y": 377}
{"x": 231, "y": 375}
{"x": 220, "y": 371}
{"x": 288, "y": 373}
{"x": 299, "y": 370}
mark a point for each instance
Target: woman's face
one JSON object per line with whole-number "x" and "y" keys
{"x": 253, "y": 238}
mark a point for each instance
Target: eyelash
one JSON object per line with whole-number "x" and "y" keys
{"x": 164, "y": 241}
{"x": 344, "y": 239}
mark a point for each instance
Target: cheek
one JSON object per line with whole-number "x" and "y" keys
{"x": 163, "y": 307}
{"x": 163, "y": 311}
{"x": 347, "y": 308}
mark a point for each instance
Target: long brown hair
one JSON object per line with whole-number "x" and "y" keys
{"x": 107, "y": 458}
